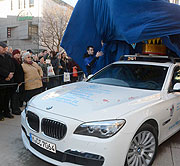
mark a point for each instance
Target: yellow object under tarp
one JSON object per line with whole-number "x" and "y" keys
{"x": 154, "y": 46}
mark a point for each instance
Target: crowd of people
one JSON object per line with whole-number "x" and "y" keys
{"x": 25, "y": 74}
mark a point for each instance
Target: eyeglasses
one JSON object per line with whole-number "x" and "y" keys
{"x": 28, "y": 57}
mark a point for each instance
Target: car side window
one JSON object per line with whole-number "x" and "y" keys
{"x": 175, "y": 78}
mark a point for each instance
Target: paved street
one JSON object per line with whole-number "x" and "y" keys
{"x": 13, "y": 152}
{"x": 12, "y": 149}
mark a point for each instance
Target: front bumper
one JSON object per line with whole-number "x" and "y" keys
{"x": 76, "y": 149}
{"x": 69, "y": 156}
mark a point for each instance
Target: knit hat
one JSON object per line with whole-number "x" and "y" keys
{"x": 15, "y": 52}
{"x": 2, "y": 44}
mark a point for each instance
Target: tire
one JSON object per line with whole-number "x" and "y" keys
{"x": 143, "y": 147}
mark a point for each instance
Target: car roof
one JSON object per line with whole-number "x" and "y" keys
{"x": 167, "y": 64}
{"x": 148, "y": 60}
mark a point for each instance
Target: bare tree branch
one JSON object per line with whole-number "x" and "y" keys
{"x": 53, "y": 25}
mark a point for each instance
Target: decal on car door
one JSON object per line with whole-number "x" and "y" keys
{"x": 171, "y": 110}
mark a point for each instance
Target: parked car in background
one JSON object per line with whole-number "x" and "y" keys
{"x": 117, "y": 117}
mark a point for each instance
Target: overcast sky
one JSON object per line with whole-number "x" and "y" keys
{"x": 71, "y": 2}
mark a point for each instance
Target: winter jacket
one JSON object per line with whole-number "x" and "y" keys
{"x": 6, "y": 66}
{"x": 18, "y": 74}
{"x": 32, "y": 75}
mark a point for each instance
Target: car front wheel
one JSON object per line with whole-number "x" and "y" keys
{"x": 143, "y": 147}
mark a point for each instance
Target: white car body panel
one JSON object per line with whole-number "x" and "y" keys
{"x": 81, "y": 102}
{"x": 77, "y": 96}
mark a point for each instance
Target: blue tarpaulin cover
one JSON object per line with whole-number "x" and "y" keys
{"x": 119, "y": 23}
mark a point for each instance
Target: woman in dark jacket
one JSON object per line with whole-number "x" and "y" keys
{"x": 44, "y": 66}
{"x": 18, "y": 78}
{"x": 54, "y": 80}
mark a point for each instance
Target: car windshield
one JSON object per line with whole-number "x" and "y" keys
{"x": 139, "y": 76}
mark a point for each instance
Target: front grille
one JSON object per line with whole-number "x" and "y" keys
{"x": 53, "y": 128}
{"x": 33, "y": 120}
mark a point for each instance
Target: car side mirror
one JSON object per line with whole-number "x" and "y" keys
{"x": 89, "y": 76}
{"x": 176, "y": 87}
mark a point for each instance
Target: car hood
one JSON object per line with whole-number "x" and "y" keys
{"x": 89, "y": 101}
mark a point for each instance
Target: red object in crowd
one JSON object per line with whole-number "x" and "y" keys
{"x": 75, "y": 74}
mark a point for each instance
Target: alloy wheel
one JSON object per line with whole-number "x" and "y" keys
{"x": 142, "y": 149}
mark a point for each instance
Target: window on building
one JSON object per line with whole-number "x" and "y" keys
{"x": 8, "y": 32}
{"x": 19, "y": 4}
{"x": 24, "y": 3}
{"x": 31, "y": 3}
{"x": 33, "y": 30}
{"x": 11, "y": 4}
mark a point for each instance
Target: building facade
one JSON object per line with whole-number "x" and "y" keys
{"x": 175, "y": 1}
{"x": 20, "y": 21}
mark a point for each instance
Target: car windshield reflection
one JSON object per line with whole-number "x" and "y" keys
{"x": 148, "y": 77}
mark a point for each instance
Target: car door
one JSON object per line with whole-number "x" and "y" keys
{"x": 172, "y": 105}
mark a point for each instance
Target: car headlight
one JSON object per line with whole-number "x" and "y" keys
{"x": 101, "y": 129}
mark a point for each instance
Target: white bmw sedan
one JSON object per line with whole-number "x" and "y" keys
{"x": 116, "y": 118}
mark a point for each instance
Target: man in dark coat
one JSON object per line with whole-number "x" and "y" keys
{"x": 6, "y": 78}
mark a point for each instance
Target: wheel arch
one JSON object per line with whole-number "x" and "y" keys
{"x": 153, "y": 126}
{"x": 153, "y": 123}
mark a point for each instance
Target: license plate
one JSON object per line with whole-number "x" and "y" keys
{"x": 42, "y": 143}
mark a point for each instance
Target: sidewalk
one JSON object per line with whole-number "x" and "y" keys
{"x": 12, "y": 149}
{"x": 168, "y": 152}
{"x": 13, "y": 152}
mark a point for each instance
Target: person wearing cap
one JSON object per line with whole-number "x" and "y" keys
{"x": 6, "y": 79}
{"x": 30, "y": 51}
{"x": 19, "y": 79}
